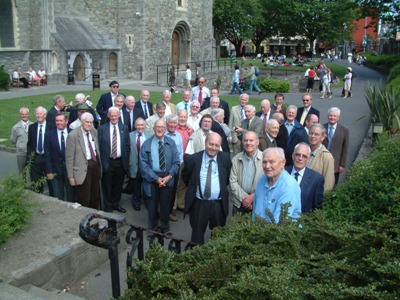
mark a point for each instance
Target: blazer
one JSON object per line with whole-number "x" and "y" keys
{"x": 19, "y": 137}
{"x": 222, "y": 104}
{"x": 139, "y": 106}
{"x": 297, "y": 135}
{"x": 339, "y": 145}
{"x": 323, "y": 163}
{"x": 105, "y": 102}
{"x": 133, "y": 154}
{"x": 312, "y": 110}
{"x": 216, "y": 127}
{"x": 31, "y": 146}
{"x": 265, "y": 142}
{"x": 191, "y": 177}
{"x": 137, "y": 113}
{"x": 75, "y": 154}
{"x": 146, "y": 163}
{"x": 282, "y": 137}
{"x": 256, "y": 126}
{"x": 312, "y": 189}
{"x": 53, "y": 157}
{"x": 234, "y": 121}
{"x": 73, "y": 116}
{"x": 105, "y": 141}
{"x": 51, "y": 118}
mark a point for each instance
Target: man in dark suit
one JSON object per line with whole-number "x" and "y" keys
{"x": 206, "y": 175}
{"x": 137, "y": 139}
{"x": 159, "y": 163}
{"x": 337, "y": 142}
{"x": 114, "y": 151}
{"x": 144, "y": 104}
{"x": 35, "y": 150}
{"x": 296, "y": 133}
{"x": 83, "y": 162}
{"x": 311, "y": 182}
{"x": 216, "y": 127}
{"x": 282, "y": 137}
{"x": 222, "y": 104}
{"x": 58, "y": 106}
{"x": 107, "y": 100}
{"x": 54, "y": 155}
{"x": 131, "y": 113}
{"x": 307, "y": 108}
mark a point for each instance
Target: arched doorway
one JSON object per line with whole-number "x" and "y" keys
{"x": 79, "y": 68}
{"x": 180, "y": 44}
{"x": 112, "y": 64}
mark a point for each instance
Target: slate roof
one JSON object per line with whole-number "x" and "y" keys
{"x": 76, "y": 34}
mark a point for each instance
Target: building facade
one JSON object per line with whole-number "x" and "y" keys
{"x": 114, "y": 38}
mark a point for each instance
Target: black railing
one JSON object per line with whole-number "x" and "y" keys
{"x": 107, "y": 237}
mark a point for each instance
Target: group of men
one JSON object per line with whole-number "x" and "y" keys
{"x": 197, "y": 156}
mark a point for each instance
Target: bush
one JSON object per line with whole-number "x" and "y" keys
{"x": 270, "y": 85}
{"x": 394, "y": 72}
{"x": 14, "y": 210}
{"x": 4, "y": 79}
{"x": 382, "y": 60}
{"x": 394, "y": 84}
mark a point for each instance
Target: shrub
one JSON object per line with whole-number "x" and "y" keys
{"x": 14, "y": 210}
{"x": 270, "y": 85}
{"x": 394, "y": 84}
{"x": 394, "y": 72}
{"x": 4, "y": 79}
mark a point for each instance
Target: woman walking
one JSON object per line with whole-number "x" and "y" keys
{"x": 235, "y": 79}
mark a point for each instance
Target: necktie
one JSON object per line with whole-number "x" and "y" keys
{"x": 264, "y": 122}
{"x": 62, "y": 144}
{"x": 200, "y": 96}
{"x": 131, "y": 118}
{"x": 303, "y": 117}
{"x": 330, "y": 135}
{"x": 114, "y": 144}
{"x": 138, "y": 143}
{"x": 92, "y": 154}
{"x": 121, "y": 116}
{"x": 40, "y": 141}
{"x": 296, "y": 176}
{"x": 26, "y": 127}
{"x": 146, "y": 113}
{"x": 161, "y": 155}
{"x": 207, "y": 187}
{"x": 242, "y": 116}
{"x": 186, "y": 106}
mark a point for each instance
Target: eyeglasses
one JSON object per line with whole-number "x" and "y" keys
{"x": 115, "y": 86}
{"x": 301, "y": 155}
{"x": 195, "y": 106}
{"x": 306, "y": 100}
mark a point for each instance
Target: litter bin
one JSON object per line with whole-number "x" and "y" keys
{"x": 71, "y": 78}
{"x": 96, "y": 81}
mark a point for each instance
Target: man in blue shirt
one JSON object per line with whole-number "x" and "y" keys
{"x": 276, "y": 187}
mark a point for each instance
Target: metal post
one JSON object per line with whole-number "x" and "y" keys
{"x": 114, "y": 264}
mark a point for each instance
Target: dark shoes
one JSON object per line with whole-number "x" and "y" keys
{"x": 120, "y": 209}
{"x": 136, "y": 207}
{"x": 259, "y": 92}
{"x": 125, "y": 191}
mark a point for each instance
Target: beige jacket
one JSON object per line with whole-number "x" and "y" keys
{"x": 324, "y": 164}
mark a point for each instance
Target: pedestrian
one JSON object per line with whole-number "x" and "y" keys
{"x": 236, "y": 79}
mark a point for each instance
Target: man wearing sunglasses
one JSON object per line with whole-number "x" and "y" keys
{"x": 307, "y": 108}
{"x": 107, "y": 100}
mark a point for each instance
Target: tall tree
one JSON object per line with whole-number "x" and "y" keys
{"x": 386, "y": 10}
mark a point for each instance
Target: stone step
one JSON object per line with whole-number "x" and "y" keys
{"x": 51, "y": 294}
{"x": 9, "y": 292}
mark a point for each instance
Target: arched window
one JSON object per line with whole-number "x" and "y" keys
{"x": 6, "y": 24}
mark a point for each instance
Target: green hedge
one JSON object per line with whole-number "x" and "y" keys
{"x": 382, "y": 60}
{"x": 394, "y": 72}
{"x": 4, "y": 79}
{"x": 270, "y": 85}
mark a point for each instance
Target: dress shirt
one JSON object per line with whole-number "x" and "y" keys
{"x": 249, "y": 170}
{"x": 168, "y": 110}
{"x": 185, "y": 132}
{"x": 88, "y": 155}
{"x": 154, "y": 154}
{"x": 65, "y": 136}
{"x": 194, "y": 94}
{"x": 181, "y": 106}
{"x": 285, "y": 190}
{"x": 333, "y": 128}
{"x": 176, "y": 136}
{"x": 215, "y": 188}
{"x": 145, "y": 108}
{"x": 130, "y": 112}
{"x": 118, "y": 139}
{"x": 194, "y": 122}
{"x": 37, "y": 135}
{"x": 289, "y": 126}
{"x": 142, "y": 138}
{"x": 300, "y": 176}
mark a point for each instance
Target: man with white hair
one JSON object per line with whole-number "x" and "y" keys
{"x": 170, "y": 108}
{"x": 267, "y": 139}
{"x": 194, "y": 115}
{"x": 214, "y": 103}
{"x": 252, "y": 122}
{"x": 131, "y": 113}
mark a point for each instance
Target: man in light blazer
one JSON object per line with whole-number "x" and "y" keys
{"x": 251, "y": 123}
{"x": 114, "y": 150}
{"x": 137, "y": 139}
{"x": 54, "y": 156}
{"x": 82, "y": 158}
{"x": 337, "y": 141}
{"x": 311, "y": 182}
{"x": 235, "y": 119}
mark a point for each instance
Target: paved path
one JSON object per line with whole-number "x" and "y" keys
{"x": 97, "y": 285}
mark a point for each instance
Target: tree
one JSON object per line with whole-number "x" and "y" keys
{"x": 386, "y": 10}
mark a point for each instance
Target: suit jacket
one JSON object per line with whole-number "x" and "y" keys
{"x": 323, "y": 163}
{"x": 146, "y": 163}
{"x": 139, "y": 106}
{"x": 105, "y": 141}
{"x": 312, "y": 110}
{"x": 105, "y": 102}
{"x": 234, "y": 121}
{"x": 265, "y": 142}
{"x": 216, "y": 127}
{"x": 172, "y": 107}
{"x": 137, "y": 113}
{"x": 282, "y": 137}
{"x": 75, "y": 154}
{"x": 271, "y": 112}
{"x": 51, "y": 118}
{"x": 255, "y": 125}
{"x": 222, "y": 104}
{"x": 73, "y": 116}
{"x": 19, "y": 137}
{"x": 31, "y": 146}
{"x": 339, "y": 145}
{"x": 312, "y": 189}
{"x": 297, "y": 135}
{"x": 54, "y": 158}
{"x": 133, "y": 154}
{"x": 191, "y": 177}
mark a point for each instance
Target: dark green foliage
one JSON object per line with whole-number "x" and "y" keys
{"x": 14, "y": 210}
{"x": 372, "y": 187}
{"x": 4, "y": 79}
{"x": 382, "y": 60}
{"x": 394, "y": 72}
{"x": 270, "y": 85}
